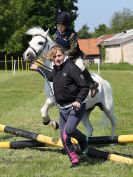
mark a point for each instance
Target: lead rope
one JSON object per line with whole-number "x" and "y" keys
{"x": 52, "y": 93}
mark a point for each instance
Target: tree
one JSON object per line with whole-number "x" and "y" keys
{"x": 102, "y": 53}
{"x": 122, "y": 21}
{"x": 101, "y": 30}
{"x": 13, "y": 23}
{"x": 18, "y": 16}
{"x": 84, "y": 32}
{"x": 5, "y": 22}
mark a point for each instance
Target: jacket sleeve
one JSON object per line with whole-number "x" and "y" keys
{"x": 80, "y": 82}
{"x": 45, "y": 73}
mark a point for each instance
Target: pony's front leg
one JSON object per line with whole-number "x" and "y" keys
{"x": 87, "y": 124}
{"x": 44, "y": 111}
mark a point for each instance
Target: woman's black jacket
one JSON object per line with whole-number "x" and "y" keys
{"x": 68, "y": 83}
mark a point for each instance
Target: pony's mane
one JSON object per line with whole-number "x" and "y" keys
{"x": 36, "y": 30}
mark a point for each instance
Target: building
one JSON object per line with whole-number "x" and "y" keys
{"x": 90, "y": 49}
{"x": 119, "y": 48}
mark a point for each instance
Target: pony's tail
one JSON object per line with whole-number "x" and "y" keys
{"x": 108, "y": 97}
{"x": 108, "y": 103}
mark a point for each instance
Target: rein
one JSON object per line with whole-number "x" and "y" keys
{"x": 43, "y": 65}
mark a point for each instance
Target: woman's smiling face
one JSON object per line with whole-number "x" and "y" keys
{"x": 58, "y": 58}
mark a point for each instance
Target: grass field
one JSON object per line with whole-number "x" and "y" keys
{"x": 21, "y": 97}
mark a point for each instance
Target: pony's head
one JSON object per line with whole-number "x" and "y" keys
{"x": 39, "y": 44}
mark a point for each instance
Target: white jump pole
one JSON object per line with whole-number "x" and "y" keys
{"x": 14, "y": 67}
{"x": 97, "y": 61}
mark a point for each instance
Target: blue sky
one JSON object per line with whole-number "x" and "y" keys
{"x": 95, "y": 12}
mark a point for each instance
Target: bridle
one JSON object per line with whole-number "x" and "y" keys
{"x": 41, "y": 49}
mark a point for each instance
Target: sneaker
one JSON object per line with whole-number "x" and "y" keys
{"x": 75, "y": 165}
{"x": 84, "y": 152}
{"x": 84, "y": 148}
{"x": 94, "y": 89}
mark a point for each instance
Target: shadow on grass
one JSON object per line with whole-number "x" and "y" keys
{"x": 85, "y": 161}
{"x": 109, "y": 145}
{"x": 122, "y": 154}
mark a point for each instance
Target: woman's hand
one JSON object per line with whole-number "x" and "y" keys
{"x": 33, "y": 66}
{"x": 76, "y": 105}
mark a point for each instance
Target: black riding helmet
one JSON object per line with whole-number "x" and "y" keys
{"x": 63, "y": 18}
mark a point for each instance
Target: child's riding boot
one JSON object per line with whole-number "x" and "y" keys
{"x": 93, "y": 84}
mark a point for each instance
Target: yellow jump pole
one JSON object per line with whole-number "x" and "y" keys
{"x": 57, "y": 143}
{"x": 26, "y": 66}
{"x": 12, "y": 62}
{"x": 45, "y": 139}
{"x": 30, "y": 135}
{"x": 5, "y": 62}
{"x": 20, "y": 144}
{"x": 22, "y": 67}
{"x": 120, "y": 159}
{"x": 94, "y": 153}
{"x": 18, "y": 63}
{"x": 111, "y": 139}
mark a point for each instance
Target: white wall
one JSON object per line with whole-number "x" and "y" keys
{"x": 113, "y": 54}
{"x": 120, "y": 53}
{"x": 128, "y": 52}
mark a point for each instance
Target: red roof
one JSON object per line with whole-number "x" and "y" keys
{"x": 89, "y": 46}
{"x": 104, "y": 37}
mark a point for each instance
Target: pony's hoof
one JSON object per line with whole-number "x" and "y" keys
{"x": 56, "y": 125}
{"x": 52, "y": 124}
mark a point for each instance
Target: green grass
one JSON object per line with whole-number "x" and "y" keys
{"x": 107, "y": 66}
{"x": 21, "y": 97}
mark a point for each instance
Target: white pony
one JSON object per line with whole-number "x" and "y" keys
{"x": 38, "y": 47}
